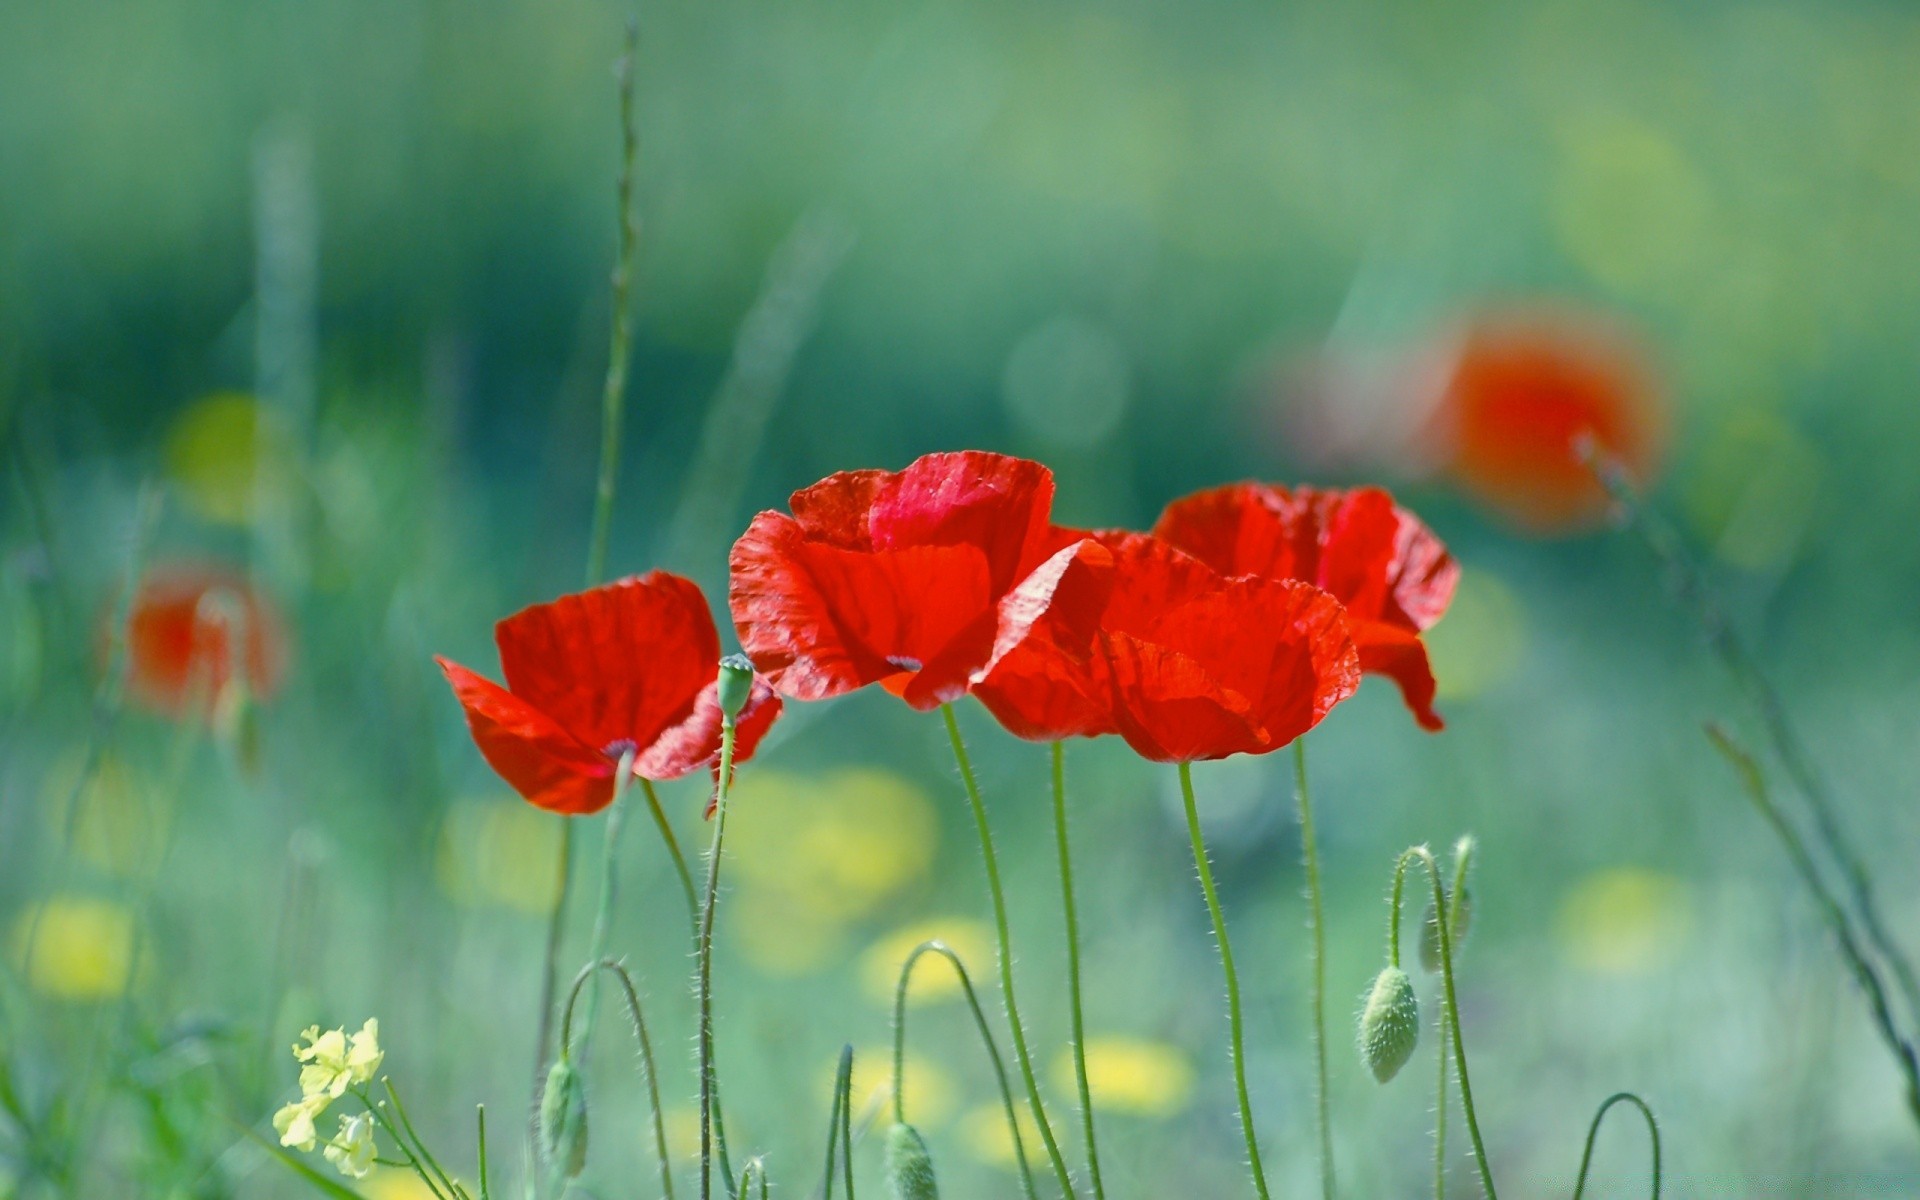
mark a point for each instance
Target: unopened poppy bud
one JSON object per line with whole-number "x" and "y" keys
{"x": 1389, "y": 1024}
{"x": 909, "y": 1166}
{"x": 736, "y": 684}
{"x": 563, "y": 1119}
{"x": 1459, "y": 918}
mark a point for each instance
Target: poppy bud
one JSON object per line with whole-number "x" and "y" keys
{"x": 1389, "y": 1024}
{"x": 1459, "y": 918}
{"x": 736, "y": 684}
{"x": 563, "y": 1119}
{"x": 909, "y": 1166}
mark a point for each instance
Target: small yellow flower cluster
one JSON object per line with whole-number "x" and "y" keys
{"x": 332, "y": 1062}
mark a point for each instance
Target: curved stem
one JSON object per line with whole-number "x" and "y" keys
{"x": 1425, "y": 857}
{"x": 1073, "y": 968}
{"x": 1005, "y": 952}
{"x": 1310, "y": 852}
{"x": 1593, "y": 1132}
{"x": 704, "y": 951}
{"x": 1233, "y": 979}
{"x": 986, "y": 1037}
{"x": 637, "y": 1018}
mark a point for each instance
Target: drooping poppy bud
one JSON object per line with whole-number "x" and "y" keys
{"x": 563, "y": 1119}
{"x": 1459, "y": 919}
{"x": 736, "y": 685}
{"x": 1389, "y": 1024}
{"x": 909, "y": 1166}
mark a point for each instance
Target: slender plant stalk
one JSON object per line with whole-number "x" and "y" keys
{"x": 1593, "y": 1132}
{"x": 704, "y": 952}
{"x": 637, "y": 1018}
{"x": 1073, "y": 968}
{"x": 1234, "y": 1023}
{"x": 400, "y": 1109}
{"x": 609, "y": 886}
{"x": 986, "y": 1038}
{"x": 1440, "y": 1116}
{"x": 1691, "y": 583}
{"x": 1005, "y": 949}
{"x": 1831, "y": 910}
{"x": 612, "y": 416}
{"x": 480, "y": 1119}
{"x": 1310, "y": 852}
{"x": 836, "y": 1123}
{"x": 1425, "y": 857}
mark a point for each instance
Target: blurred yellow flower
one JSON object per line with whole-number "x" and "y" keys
{"x": 1482, "y": 638}
{"x": 781, "y": 938}
{"x": 498, "y": 852}
{"x": 1130, "y": 1075}
{"x": 394, "y": 1183}
{"x": 351, "y": 1149}
{"x": 1629, "y": 205}
{"x": 683, "y": 1133}
{"x": 1624, "y": 920}
{"x": 334, "y": 1061}
{"x": 933, "y": 977}
{"x": 75, "y": 947}
{"x": 1755, "y": 490}
{"x": 839, "y": 845}
{"x": 984, "y": 1132}
{"x": 295, "y": 1122}
{"x": 219, "y": 451}
{"x": 929, "y": 1089}
{"x": 115, "y": 817}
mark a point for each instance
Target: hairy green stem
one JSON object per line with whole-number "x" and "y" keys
{"x": 1234, "y": 1022}
{"x": 1073, "y": 969}
{"x": 1452, "y": 1009}
{"x": 1309, "y": 851}
{"x": 1005, "y": 949}
{"x": 986, "y": 1038}
{"x": 704, "y": 952}
{"x": 609, "y": 885}
{"x": 1462, "y": 857}
{"x": 637, "y": 1018}
{"x": 838, "y": 1124}
{"x": 1593, "y": 1132}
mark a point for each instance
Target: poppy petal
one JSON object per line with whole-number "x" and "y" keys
{"x": 620, "y": 662}
{"x": 1169, "y": 707}
{"x": 539, "y": 759}
{"x": 1401, "y": 657}
{"x": 695, "y": 742}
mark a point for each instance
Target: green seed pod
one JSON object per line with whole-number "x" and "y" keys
{"x": 1460, "y": 914}
{"x": 1389, "y": 1024}
{"x": 909, "y": 1166}
{"x": 736, "y": 684}
{"x": 563, "y": 1119}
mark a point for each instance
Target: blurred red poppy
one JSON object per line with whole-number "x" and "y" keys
{"x": 192, "y": 630}
{"x": 898, "y": 578}
{"x": 628, "y": 665}
{"x": 1391, "y": 573}
{"x": 1520, "y": 393}
{"x": 1185, "y": 663}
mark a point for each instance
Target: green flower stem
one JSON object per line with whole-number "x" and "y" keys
{"x": 1234, "y": 1025}
{"x": 838, "y": 1124}
{"x": 1440, "y": 1116}
{"x": 704, "y": 952}
{"x": 399, "y": 1139}
{"x": 480, "y": 1118}
{"x": 1425, "y": 856}
{"x": 986, "y": 1037}
{"x": 1593, "y": 1131}
{"x": 612, "y": 414}
{"x": 1073, "y": 967}
{"x": 673, "y": 850}
{"x": 1005, "y": 948}
{"x": 1311, "y": 853}
{"x": 603, "y": 917}
{"x": 637, "y": 1018}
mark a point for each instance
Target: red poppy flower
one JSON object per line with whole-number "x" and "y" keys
{"x": 1520, "y": 394}
{"x": 191, "y": 631}
{"x": 629, "y": 665}
{"x": 1391, "y": 573}
{"x": 897, "y": 578}
{"x": 1184, "y": 663}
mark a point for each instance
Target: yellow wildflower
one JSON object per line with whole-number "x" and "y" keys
{"x": 335, "y": 1062}
{"x": 75, "y": 947}
{"x": 351, "y": 1150}
{"x": 294, "y": 1122}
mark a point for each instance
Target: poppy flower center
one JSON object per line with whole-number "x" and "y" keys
{"x": 904, "y": 662}
{"x": 620, "y": 747}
